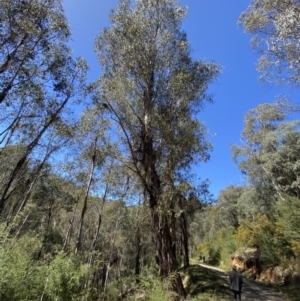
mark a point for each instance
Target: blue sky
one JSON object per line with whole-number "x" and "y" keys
{"x": 214, "y": 34}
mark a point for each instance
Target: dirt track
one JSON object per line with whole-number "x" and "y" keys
{"x": 251, "y": 291}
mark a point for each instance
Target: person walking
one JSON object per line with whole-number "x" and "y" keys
{"x": 236, "y": 283}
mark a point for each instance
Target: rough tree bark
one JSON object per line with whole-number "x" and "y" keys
{"x": 163, "y": 229}
{"x": 184, "y": 235}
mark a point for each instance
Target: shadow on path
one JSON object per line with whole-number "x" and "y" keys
{"x": 251, "y": 291}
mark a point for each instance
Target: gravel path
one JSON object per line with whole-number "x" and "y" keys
{"x": 251, "y": 291}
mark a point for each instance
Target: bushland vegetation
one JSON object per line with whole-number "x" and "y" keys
{"x": 262, "y": 215}
{"x": 98, "y": 200}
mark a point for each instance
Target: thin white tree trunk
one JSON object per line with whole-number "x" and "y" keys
{"x": 90, "y": 180}
{"x": 111, "y": 250}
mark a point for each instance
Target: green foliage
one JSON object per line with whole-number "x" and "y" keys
{"x": 218, "y": 248}
{"x": 136, "y": 57}
{"x": 269, "y": 157}
{"x": 276, "y": 236}
{"x": 156, "y": 289}
{"x": 65, "y": 277}
{"x": 288, "y": 212}
{"x": 275, "y": 28}
{"x": 20, "y": 279}
{"x": 23, "y": 278}
{"x": 229, "y": 205}
{"x": 269, "y": 152}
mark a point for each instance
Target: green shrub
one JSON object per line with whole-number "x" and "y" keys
{"x": 23, "y": 278}
{"x": 65, "y": 278}
{"x": 156, "y": 289}
{"x": 20, "y": 279}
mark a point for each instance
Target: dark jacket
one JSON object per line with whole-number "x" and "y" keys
{"x": 236, "y": 281}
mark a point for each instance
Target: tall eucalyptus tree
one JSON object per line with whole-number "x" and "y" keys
{"x": 152, "y": 89}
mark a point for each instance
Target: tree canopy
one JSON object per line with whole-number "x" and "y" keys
{"x": 275, "y": 26}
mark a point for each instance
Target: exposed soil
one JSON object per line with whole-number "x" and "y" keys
{"x": 251, "y": 291}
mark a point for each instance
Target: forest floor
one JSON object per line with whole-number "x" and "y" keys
{"x": 252, "y": 291}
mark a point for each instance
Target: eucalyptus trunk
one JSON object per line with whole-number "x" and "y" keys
{"x": 163, "y": 228}
{"x": 87, "y": 192}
